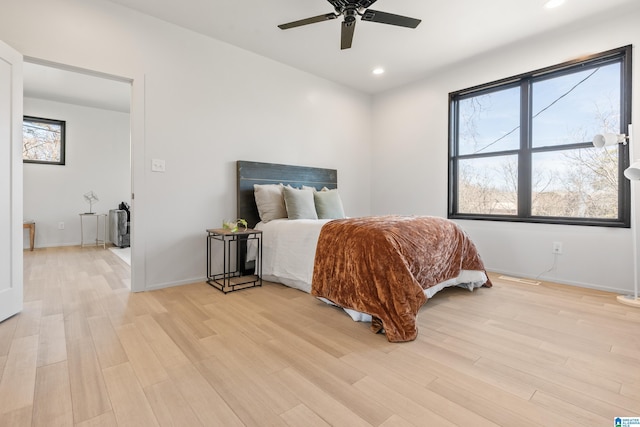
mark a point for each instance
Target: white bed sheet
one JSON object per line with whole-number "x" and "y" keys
{"x": 288, "y": 253}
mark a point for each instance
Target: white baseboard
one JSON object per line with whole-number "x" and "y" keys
{"x": 560, "y": 281}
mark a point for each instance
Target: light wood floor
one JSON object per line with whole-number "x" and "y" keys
{"x": 87, "y": 352}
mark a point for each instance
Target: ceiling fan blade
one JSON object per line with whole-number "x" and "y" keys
{"x": 390, "y": 18}
{"x": 307, "y": 21}
{"x": 348, "y": 28}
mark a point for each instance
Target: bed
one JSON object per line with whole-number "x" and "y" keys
{"x": 380, "y": 269}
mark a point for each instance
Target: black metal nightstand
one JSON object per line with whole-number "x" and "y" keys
{"x": 236, "y": 245}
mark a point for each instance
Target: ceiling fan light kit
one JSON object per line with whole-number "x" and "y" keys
{"x": 350, "y": 10}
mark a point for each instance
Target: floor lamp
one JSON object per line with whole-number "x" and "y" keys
{"x": 632, "y": 173}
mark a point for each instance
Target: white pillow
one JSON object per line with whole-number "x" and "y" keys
{"x": 299, "y": 203}
{"x": 270, "y": 201}
{"x": 328, "y": 204}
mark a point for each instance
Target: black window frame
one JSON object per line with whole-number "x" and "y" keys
{"x": 63, "y": 125}
{"x": 525, "y": 151}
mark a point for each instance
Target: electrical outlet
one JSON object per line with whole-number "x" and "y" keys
{"x": 157, "y": 165}
{"x": 557, "y": 248}
{"x": 61, "y": 226}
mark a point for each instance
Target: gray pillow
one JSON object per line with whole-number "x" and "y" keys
{"x": 328, "y": 204}
{"x": 269, "y": 201}
{"x": 299, "y": 203}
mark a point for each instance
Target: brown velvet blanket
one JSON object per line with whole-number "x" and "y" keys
{"x": 381, "y": 266}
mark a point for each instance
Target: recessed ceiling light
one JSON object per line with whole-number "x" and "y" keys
{"x": 553, "y": 3}
{"x": 378, "y": 70}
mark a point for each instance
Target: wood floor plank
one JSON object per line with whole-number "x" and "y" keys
{"x": 34, "y": 290}
{"x": 182, "y": 336}
{"x": 629, "y": 390}
{"x": 52, "y": 402}
{"x": 169, "y": 406}
{"x": 89, "y": 299}
{"x": 108, "y": 419}
{"x": 412, "y": 388}
{"x": 52, "y": 346}
{"x": 18, "y": 378}
{"x": 301, "y": 415}
{"x": 88, "y": 391}
{"x": 29, "y": 319}
{"x": 236, "y": 362}
{"x": 402, "y": 364}
{"x": 153, "y": 304}
{"x": 17, "y": 418}
{"x": 3, "y": 361}
{"x": 560, "y": 407}
{"x": 144, "y": 362}
{"x": 256, "y": 350}
{"x": 207, "y": 404}
{"x": 106, "y": 342}
{"x": 559, "y": 370}
{"x": 320, "y": 402}
{"x": 247, "y": 401}
{"x": 52, "y": 297}
{"x": 7, "y": 330}
{"x": 130, "y": 404}
{"x": 75, "y": 325}
{"x": 397, "y": 421}
{"x": 410, "y": 410}
{"x": 118, "y": 311}
{"x": 165, "y": 349}
{"x": 555, "y": 388}
{"x": 192, "y": 315}
{"x": 330, "y": 375}
{"x": 503, "y": 411}
{"x": 134, "y": 302}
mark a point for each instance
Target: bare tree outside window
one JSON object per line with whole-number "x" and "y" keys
{"x": 43, "y": 141}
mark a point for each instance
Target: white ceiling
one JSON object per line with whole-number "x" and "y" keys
{"x": 75, "y": 87}
{"x": 451, "y": 30}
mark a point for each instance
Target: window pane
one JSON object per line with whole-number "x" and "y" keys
{"x": 43, "y": 140}
{"x": 573, "y": 108}
{"x": 489, "y": 122}
{"x": 581, "y": 183}
{"x": 488, "y": 185}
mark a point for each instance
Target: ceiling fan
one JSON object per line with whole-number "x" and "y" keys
{"x": 351, "y": 9}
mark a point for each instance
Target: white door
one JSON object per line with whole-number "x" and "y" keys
{"x": 11, "y": 232}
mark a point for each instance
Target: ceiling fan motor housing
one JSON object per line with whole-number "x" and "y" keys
{"x": 350, "y": 15}
{"x": 343, "y": 6}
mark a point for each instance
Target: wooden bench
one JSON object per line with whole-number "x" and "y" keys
{"x": 32, "y": 233}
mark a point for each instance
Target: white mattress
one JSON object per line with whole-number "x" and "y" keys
{"x": 289, "y": 249}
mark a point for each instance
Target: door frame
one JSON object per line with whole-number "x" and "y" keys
{"x": 137, "y": 135}
{"x": 11, "y": 293}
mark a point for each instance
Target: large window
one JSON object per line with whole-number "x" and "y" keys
{"x": 521, "y": 148}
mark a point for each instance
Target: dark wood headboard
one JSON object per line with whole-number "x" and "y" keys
{"x": 250, "y": 173}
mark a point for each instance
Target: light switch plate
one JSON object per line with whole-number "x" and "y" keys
{"x": 157, "y": 165}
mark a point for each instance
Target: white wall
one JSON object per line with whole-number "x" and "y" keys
{"x": 207, "y": 104}
{"x": 410, "y": 158}
{"x": 97, "y": 157}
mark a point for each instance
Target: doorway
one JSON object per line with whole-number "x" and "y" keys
{"x": 97, "y": 110}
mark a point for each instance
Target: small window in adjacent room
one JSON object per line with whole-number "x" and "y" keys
{"x": 521, "y": 148}
{"x": 43, "y": 141}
